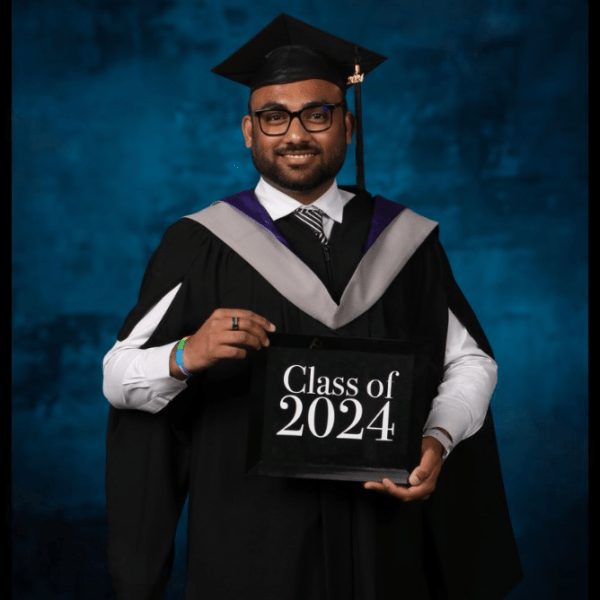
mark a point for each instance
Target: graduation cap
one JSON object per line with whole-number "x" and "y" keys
{"x": 288, "y": 50}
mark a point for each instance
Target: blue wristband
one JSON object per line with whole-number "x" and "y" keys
{"x": 179, "y": 358}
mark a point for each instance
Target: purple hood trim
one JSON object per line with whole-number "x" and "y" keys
{"x": 247, "y": 203}
{"x": 385, "y": 211}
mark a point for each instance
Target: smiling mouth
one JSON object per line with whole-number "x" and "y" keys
{"x": 293, "y": 155}
{"x": 297, "y": 152}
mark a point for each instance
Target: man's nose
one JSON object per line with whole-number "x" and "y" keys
{"x": 296, "y": 130}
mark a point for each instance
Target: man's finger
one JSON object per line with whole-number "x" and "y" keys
{"x": 248, "y": 333}
{"x": 244, "y": 338}
{"x": 243, "y": 316}
{"x": 401, "y": 492}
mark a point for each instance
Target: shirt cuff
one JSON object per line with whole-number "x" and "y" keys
{"x": 152, "y": 387}
{"x": 448, "y": 417}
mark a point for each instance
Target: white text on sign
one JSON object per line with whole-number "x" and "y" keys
{"x": 299, "y": 379}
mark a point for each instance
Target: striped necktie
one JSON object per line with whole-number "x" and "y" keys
{"x": 313, "y": 217}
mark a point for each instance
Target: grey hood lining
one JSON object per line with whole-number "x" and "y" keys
{"x": 298, "y": 283}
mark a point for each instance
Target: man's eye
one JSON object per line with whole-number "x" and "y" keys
{"x": 318, "y": 114}
{"x": 274, "y": 117}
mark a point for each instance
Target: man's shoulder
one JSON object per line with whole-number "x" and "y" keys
{"x": 244, "y": 201}
{"x": 383, "y": 203}
{"x": 187, "y": 235}
{"x": 387, "y": 203}
{"x": 395, "y": 223}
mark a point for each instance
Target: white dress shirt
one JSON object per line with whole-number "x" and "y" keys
{"x": 279, "y": 205}
{"x": 140, "y": 378}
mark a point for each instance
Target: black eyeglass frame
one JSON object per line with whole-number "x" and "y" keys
{"x": 332, "y": 106}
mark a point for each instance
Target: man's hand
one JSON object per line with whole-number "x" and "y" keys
{"x": 422, "y": 480}
{"x": 217, "y": 339}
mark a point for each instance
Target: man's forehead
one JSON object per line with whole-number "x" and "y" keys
{"x": 298, "y": 92}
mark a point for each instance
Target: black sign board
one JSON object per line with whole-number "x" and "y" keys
{"x": 333, "y": 408}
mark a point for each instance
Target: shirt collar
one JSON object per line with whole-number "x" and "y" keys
{"x": 279, "y": 205}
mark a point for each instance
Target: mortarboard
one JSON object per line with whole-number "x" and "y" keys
{"x": 289, "y": 50}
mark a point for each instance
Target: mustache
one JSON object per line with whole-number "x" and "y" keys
{"x": 303, "y": 147}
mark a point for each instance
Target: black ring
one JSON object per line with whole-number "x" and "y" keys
{"x": 235, "y": 324}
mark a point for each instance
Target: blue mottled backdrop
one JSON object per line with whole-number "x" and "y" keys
{"x": 477, "y": 120}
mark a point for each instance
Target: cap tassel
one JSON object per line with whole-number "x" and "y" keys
{"x": 356, "y": 80}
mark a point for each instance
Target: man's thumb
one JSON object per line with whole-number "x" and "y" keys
{"x": 417, "y": 476}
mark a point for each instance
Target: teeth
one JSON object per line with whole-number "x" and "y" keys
{"x": 299, "y": 155}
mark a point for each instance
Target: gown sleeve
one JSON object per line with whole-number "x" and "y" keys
{"x": 470, "y": 489}
{"x": 148, "y": 455}
{"x": 179, "y": 248}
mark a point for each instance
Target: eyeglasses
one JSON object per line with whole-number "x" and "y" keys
{"x": 276, "y": 121}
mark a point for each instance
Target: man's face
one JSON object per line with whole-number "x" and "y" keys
{"x": 299, "y": 163}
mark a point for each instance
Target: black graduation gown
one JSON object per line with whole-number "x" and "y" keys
{"x": 283, "y": 539}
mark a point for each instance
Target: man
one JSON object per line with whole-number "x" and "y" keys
{"x": 220, "y": 283}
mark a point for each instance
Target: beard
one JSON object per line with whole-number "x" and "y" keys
{"x": 299, "y": 178}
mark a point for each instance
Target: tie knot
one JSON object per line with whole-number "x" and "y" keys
{"x": 313, "y": 217}
{"x": 311, "y": 211}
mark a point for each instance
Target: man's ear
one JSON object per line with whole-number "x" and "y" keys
{"x": 247, "y": 130}
{"x": 350, "y": 122}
